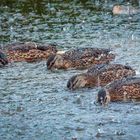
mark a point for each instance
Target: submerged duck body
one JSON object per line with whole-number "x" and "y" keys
{"x": 100, "y": 75}
{"x": 28, "y": 51}
{"x": 80, "y": 58}
{"x": 3, "y": 59}
{"x": 127, "y": 10}
{"x": 125, "y": 89}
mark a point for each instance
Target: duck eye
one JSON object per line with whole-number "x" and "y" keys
{"x": 52, "y": 63}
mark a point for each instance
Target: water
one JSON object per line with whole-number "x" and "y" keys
{"x": 34, "y": 102}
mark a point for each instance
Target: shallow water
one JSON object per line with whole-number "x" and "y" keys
{"x": 34, "y": 102}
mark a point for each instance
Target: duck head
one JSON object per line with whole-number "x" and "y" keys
{"x": 103, "y": 97}
{"x": 55, "y": 61}
{"x": 3, "y": 58}
{"x": 77, "y": 81}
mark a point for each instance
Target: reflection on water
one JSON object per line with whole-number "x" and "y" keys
{"x": 34, "y": 102}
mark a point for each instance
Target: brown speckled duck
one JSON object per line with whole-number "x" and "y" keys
{"x": 80, "y": 58}
{"x": 100, "y": 75}
{"x": 3, "y": 59}
{"x": 125, "y": 89}
{"x": 28, "y": 51}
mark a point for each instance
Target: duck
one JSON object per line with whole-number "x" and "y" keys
{"x": 3, "y": 59}
{"x": 127, "y": 10}
{"x": 123, "y": 90}
{"x": 28, "y": 51}
{"x": 100, "y": 75}
{"x": 80, "y": 58}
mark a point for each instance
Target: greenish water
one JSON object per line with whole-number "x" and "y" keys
{"x": 34, "y": 102}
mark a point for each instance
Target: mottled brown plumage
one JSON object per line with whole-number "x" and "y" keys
{"x": 80, "y": 58}
{"x": 125, "y": 89}
{"x": 28, "y": 51}
{"x": 100, "y": 75}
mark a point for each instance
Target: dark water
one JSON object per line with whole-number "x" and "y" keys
{"x": 34, "y": 102}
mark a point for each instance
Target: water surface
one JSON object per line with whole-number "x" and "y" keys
{"x": 34, "y": 102}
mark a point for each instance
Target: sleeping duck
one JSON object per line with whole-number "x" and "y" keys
{"x": 100, "y": 75}
{"x": 3, "y": 59}
{"x": 128, "y": 10}
{"x": 80, "y": 58}
{"x": 28, "y": 51}
{"x": 125, "y": 89}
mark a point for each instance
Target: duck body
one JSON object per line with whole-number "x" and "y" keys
{"x": 100, "y": 75}
{"x": 81, "y": 58}
{"x": 3, "y": 59}
{"x": 125, "y": 89}
{"x": 28, "y": 51}
{"x": 127, "y": 10}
